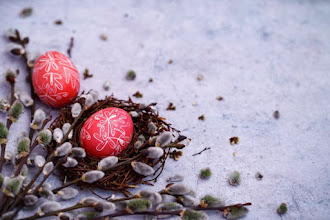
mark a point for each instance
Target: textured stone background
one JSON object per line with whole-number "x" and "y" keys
{"x": 260, "y": 56}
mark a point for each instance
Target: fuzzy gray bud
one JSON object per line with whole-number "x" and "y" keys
{"x": 134, "y": 114}
{"x": 30, "y": 200}
{"x": 188, "y": 200}
{"x": 75, "y": 110}
{"x": 107, "y": 162}
{"x": 103, "y": 206}
{"x": 163, "y": 139}
{"x": 151, "y": 127}
{"x": 177, "y": 189}
{"x": 138, "y": 144}
{"x": 88, "y": 200}
{"x": 155, "y": 152}
{"x": 63, "y": 150}
{"x": 48, "y": 207}
{"x": 142, "y": 168}
{"x": 89, "y": 100}
{"x": 153, "y": 197}
{"x": 92, "y": 176}
{"x": 78, "y": 152}
{"x": 95, "y": 94}
{"x": 25, "y": 98}
{"x": 4, "y": 105}
{"x": 38, "y": 118}
{"x": 58, "y": 135}
{"x": 70, "y": 162}
{"x": 48, "y": 168}
{"x": 67, "y": 193}
{"x": 175, "y": 178}
{"x": 46, "y": 193}
{"x": 65, "y": 129}
{"x": 9, "y": 156}
{"x": 106, "y": 85}
{"x": 39, "y": 161}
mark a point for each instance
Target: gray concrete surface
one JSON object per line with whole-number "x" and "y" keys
{"x": 259, "y": 55}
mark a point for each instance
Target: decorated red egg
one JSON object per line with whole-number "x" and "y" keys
{"x": 107, "y": 132}
{"x": 55, "y": 79}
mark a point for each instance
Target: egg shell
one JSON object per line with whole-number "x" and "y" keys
{"x": 107, "y": 132}
{"x": 55, "y": 79}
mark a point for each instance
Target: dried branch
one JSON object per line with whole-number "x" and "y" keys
{"x": 71, "y": 44}
{"x": 205, "y": 149}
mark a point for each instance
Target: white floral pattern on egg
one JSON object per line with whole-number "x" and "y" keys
{"x": 55, "y": 79}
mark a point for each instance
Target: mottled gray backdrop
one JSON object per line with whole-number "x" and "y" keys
{"x": 259, "y": 55}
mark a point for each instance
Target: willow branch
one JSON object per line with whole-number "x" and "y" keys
{"x": 57, "y": 212}
{"x": 178, "y": 212}
{"x": 8, "y": 124}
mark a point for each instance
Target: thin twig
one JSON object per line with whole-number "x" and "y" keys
{"x": 205, "y": 149}
{"x": 66, "y": 185}
{"x": 71, "y": 44}
{"x": 53, "y": 213}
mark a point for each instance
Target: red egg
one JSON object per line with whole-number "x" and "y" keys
{"x": 107, "y": 132}
{"x": 55, "y": 79}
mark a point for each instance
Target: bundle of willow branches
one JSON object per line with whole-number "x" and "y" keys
{"x": 153, "y": 142}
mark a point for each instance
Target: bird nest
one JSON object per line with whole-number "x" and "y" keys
{"x": 122, "y": 177}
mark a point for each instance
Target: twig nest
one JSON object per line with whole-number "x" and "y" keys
{"x": 152, "y": 141}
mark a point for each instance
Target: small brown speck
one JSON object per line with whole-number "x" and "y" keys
{"x": 200, "y": 77}
{"x": 170, "y": 61}
{"x": 87, "y": 74}
{"x": 219, "y": 98}
{"x": 276, "y": 114}
{"x": 104, "y": 37}
{"x": 151, "y": 79}
{"x": 138, "y": 94}
{"x": 202, "y": 117}
{"x": 234, "y": 140}
{"x": 171, "y": 107}
{"x": 58, "y": 22}
{"x": 259, "y": 176}
{"x": 26, "y": 12}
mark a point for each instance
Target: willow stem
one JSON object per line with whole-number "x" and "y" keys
{"x": 66, "y": 185}
{"x": 178, "y": 212}
{"x": 57, "y": 212}
{"x": 26, "y": 189}
{"x": 8, "y": 124}
{"x": 34, "y": 144}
